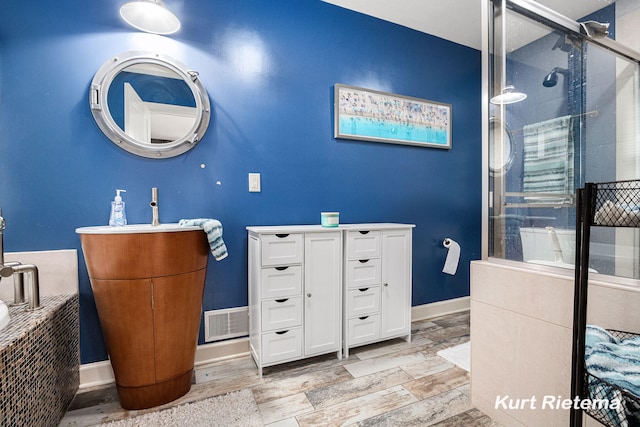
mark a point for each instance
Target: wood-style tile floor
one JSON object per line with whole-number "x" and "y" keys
{"x": 393, "y": 383}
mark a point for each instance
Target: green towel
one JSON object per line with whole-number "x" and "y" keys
{"x": 548, "y": 157}
{"x": 213, "y": 228}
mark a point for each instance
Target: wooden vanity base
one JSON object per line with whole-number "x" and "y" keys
{"x": 156, "y": 394}
{"x": 148, "y": 289}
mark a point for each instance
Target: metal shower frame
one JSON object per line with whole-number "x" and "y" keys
{"x": 547, "y": 16}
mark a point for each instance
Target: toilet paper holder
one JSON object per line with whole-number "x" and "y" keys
{"x": 453, "y": 256}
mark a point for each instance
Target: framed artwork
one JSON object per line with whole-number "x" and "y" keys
{"x": 371, "y": 115}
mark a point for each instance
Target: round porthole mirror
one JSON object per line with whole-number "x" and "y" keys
{"x": 501, "y": 151}
{"x": 150, "y": 104}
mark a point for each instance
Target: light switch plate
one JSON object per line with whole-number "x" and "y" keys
{"x": 254, "y": 182}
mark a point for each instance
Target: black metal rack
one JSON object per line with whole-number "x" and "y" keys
{"x": 608, "y": 204}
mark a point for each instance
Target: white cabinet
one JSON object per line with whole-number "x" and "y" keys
{"x": 295, "y": 293}
{"x": 377, "y": 285}
{"x": 315, "y": 290}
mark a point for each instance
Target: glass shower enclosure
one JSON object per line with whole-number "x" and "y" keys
{"x": 564, "y": 110}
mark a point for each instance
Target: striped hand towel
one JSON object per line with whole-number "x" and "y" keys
{"x": 548, "y": 157}
{"x": 213, "y": 228}
{"x": 616, "y": 361}
{"x": 619, "y": 364}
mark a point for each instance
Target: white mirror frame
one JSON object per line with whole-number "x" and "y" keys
{"x": 501, "y": 156}
{"x": 99, "y": 91}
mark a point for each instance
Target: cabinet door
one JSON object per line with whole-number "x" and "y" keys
{"x": 127, "y": 324}
{"x": 175, "y": 332}
{"x": 396, "y": 283}
{"x": 322, "y": 292}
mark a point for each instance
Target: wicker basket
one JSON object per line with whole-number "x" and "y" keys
{"x": 617, "y": 204}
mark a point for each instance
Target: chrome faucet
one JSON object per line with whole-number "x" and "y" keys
{"x": 17, "y": 270}
{"x": 155, "y": 220}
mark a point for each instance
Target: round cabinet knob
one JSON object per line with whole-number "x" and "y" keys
{"x": 309, "y": 295}
{"x": 386, "y": 284}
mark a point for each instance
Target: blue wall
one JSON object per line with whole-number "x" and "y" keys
{"x": 269, "y": 68}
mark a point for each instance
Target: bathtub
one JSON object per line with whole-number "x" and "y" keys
{"x": 521, "y": 330}
{"x": 40, "y": 358}
{"x": 40, "y": 349}
{"x": 538, "y": 245}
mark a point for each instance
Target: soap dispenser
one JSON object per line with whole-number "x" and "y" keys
{"x": 118, "y": 217}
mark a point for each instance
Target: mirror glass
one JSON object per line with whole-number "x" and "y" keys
{"x": 500, "y": 147}
{"x": 149, "y": 104}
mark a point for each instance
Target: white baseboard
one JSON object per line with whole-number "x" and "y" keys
{"x": 96, "y": 374}
{"x": 100, "y": 373}
{"x": 222, "y": 350}
{"x": 440, "y": 308}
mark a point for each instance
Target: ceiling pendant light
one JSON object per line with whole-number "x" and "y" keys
{"x": 508, "y": 96}
{"x": 151, "y": 16}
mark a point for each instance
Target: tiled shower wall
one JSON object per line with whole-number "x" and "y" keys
{"x": 39, "y": 362}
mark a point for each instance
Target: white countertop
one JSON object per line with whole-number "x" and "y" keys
{"x": 273, "y": 229}
{"x": 135, "y": 228}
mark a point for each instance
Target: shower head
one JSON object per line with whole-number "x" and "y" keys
{"x": 551, "y": 79}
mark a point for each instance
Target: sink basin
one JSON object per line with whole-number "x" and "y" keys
{"x": 135, "y": 228}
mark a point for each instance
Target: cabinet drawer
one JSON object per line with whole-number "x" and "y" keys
{"x": 281, "y": 281}
{"x": 282, "y": 249}
{"x": 363, "y": 244}
{"x": 363, "y": 329}
{"x": 363, "y": 301}
{"x": 281, "y": 345}
{"x": 363, "y": 273}
{"x": 281, "y": 313}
